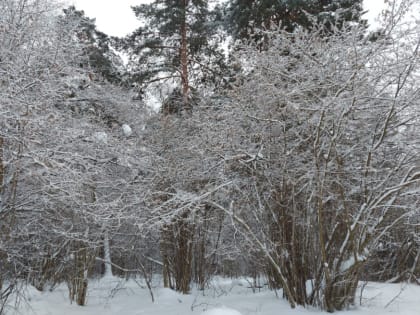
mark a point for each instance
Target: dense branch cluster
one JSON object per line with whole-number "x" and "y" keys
{"x": 297, "y": 162}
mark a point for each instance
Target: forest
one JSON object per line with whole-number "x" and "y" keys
{"x": 277, "y": 141}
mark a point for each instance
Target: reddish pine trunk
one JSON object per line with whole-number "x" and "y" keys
{"x": 1, "y": 164}
{"x": 184, "y": 57}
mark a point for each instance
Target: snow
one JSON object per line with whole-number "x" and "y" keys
{"x": 221, "y": 311}
{"x": 101, "y": 137}
{"x": 127, "y": 130}
{"x": 347, "y": 264}
{"x": 223, "y": 297}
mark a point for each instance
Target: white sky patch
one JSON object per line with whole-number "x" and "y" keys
{"x": 374, "y": 9}
{"x": 113, "y": 17}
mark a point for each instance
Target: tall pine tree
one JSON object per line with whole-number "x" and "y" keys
{"x": 177, "y": 45}
{"x": 177, "y": 42}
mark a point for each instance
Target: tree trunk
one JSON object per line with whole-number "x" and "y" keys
{"x": 183, "y": 254}
{"x": 165, "y": 244}
{"x": 340, "y": 293}
{"x": 107, "y": 256}
{"x": 78, "y": 281}
{"x": 1, "y": 168}
{"x": 184, "y": 59}
{"x": 176, "y": 250}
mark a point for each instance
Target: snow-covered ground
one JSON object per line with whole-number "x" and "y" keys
{"x": 224, "y": 297}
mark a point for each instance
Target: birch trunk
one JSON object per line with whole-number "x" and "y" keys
{"x": 107, "y": 256}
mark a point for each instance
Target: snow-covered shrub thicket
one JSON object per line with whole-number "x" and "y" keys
{"x": 302, "y": 172}
{"x": 63, "y": 188}
{"x": 30, "y": 69}
{"x": 331, "y": 166}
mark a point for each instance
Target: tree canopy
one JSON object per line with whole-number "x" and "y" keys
{"x": 243, "y": 17}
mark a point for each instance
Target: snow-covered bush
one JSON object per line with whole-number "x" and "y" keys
{"x": 327, "y": 162}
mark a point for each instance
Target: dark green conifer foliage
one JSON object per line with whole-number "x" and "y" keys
{"x": 96, "y": 44}
{"x": 243, "y": 17}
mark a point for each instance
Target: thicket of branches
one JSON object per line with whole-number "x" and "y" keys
{"x": 304, "y": 169}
